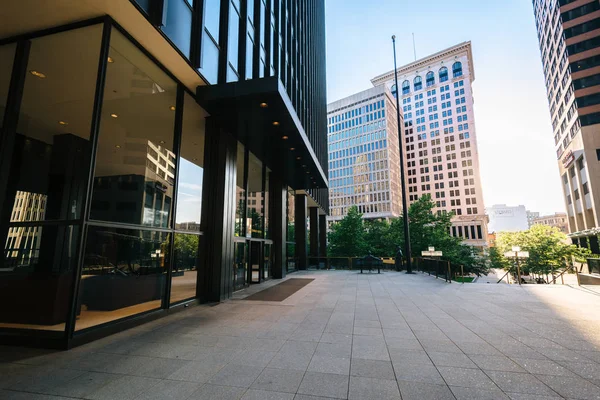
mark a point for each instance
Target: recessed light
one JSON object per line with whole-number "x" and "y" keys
{"x": 292, "y": 148}
{"x": 110, "y": 60}
{"x": 275, "y": 123}
{"x": 264, "y": 105}
{"x": 298, "y": 158}
{"x": 172, "y": 108}
{"x": 308, "y": 172}
{"x": 114, "y": 115}
{"x": 303, "y": 165}
{"x": 63, "y": 123}
{"x": 284, "y": 137}
{"x": 37, "y": 74}
{"x": 118, "y": 146}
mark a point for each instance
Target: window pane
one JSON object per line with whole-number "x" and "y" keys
{"x": 124, "y": 273}
{"x": 254, "y": 214}
{"x": 178, "y": 25}
{"x": 233, "y": 38}
{"x": 51, "y": 154}
{"x": 210, "y": 59}
{"x": 185, "y": 269}
{"x": 212, "y": 14}
{"x": 135, "y": 163}
{"x": 145, "y": 4}
{"x": 37, "y": 276}
{"x": 191, "y": 168}
{"x": 7, "y": 55}
{"x": 266, "y": 206}
{"x": 240, "y": 194}
{"x": 240, "y": 265}
{"x": 291, "y": 211}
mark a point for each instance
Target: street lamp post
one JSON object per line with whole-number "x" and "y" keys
{"x": 517, "y": 254}
{"x": 407, "y": 250}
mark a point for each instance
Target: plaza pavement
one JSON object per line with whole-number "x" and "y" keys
{"x": 343, "y": 336}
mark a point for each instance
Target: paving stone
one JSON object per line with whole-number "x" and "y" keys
{"x": 336, "y": 338}
{"x": 466, "y": 377}
{"x": 278, "y": 380}
{"x": 372, "y": 369}
{"x": 519, "y": 383}
{"x": 124, "y": 388}
{"x": 424, "y": 391}
{"x": 326, "y": 385}
{"x": 362, "y": 388}
{"x": 254, "y": 358}
{"x": 216, "y": 392}
{"x": 496, "y": 363}
{"x": 462, "y": 393}
{"x": 200, "y": 372}
{"x": 417, "y": 373}
{"x": 410, "y": 356}
{"x": 170, "y": 390}
{"x": 333, "y": 365}
{"x": 525, "y": 396}
{"x": 571, "y": 386}
{"x": 236, "y": 375}
{"x": 544, "y": 367}
{"x": 253, "y": 394}
{"x": 450, "y": 360}
{"x": 83, "y": 385}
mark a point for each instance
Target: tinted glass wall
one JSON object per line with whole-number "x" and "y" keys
{"x": 49, "y": 163}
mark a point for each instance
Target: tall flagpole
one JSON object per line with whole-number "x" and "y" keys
{"x": 407, "y": 250}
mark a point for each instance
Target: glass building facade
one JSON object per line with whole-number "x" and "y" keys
{"x": 133, "y": 182}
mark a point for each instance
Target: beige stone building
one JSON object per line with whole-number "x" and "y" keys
{"x": 568, "y": 35}
{"x": 558, "y": 220}
{"x": 440, "y": 138}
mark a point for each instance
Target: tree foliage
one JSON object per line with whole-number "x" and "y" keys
{"x": 549, "y": 250}
{"x": 354, "y": 237}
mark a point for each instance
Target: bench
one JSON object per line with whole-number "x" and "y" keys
{"x": 370, "y": 262}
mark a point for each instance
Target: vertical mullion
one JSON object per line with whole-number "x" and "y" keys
{"x": 257, "y": 41}
{"x": 277, "y": 55}
{"x": 178, "y": 132}
{"x": 267, "y": 38}
{"x": 223, "y": 38}
{"x": 288, "y": 46}
{"x": 94, "y": 132}
{"x": 197, "y": 30}
{"x": 9, "y": 129}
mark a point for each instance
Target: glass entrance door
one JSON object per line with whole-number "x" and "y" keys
{"x": 267, "y": 260}
{"x": 240, "y": 265}
{"x": 255, "y": 259}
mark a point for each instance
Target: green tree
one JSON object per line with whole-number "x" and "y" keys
{"x": 347, "y": 237}
{"x": 549, "y": 250}
{"x": 377, "y": 238}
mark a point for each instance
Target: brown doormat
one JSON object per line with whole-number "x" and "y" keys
{"x": 280, "y": 291}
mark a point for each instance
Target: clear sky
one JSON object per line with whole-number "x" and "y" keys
{"x": 516, "y": 146}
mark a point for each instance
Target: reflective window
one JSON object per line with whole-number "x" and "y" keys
{"x": 405, "y": 87}
{"x": 50, "y": 161}
{"x": 185, "y": 268}
{"x": 266, "y": 210}
{"x": 240, "y": 194}
{"x": 144, "y": 4}
{"x": 135, "y": 163}
{"x": 240, "y": 264}
{"x": 430, "y": 79}
{"x": 233, "y": 40}
{"x": 443, "y": 74}
{"x": 191, "y": 168}
{"x": 418, "y": 82}
{"x": 212, "y": 15}
{"x": 123, "y": 274}
{"x": 255, "y": 214}
{"x": 210, "y": 59}
{"x": 457, "y": 69}
{"x": 7, "y": 55}
{"x": 178, "y": 24}
{"x": 394, "y": 90}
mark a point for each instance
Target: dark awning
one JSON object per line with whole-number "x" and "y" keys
{"x": 261, "y": 116}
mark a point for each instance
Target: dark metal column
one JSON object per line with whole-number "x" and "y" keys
{"x": 314, "y": 231}
{"x": 300, "y": 229}
{"x": 323, "y": 235}
{"x": 278, "y": 201}
{"x": 215, "y": 280}
{"x": 594, "y": 244}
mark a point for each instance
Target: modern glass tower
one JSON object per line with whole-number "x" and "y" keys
{"x": 569, "y": 37}
{"x": 154, "y": 154}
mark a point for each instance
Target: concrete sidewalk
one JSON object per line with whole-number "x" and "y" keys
{"x": 343, "y": 336}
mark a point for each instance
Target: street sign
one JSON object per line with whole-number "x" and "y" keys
{"x": 431, "y": 253}
{"x": 431, "y": 249}
{"x": 520, "y": 254}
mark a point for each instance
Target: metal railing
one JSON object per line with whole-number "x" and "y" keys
{"x": 345, "y": 263}
{"x": 439, "y": 268}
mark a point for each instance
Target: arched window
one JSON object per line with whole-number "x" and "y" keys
{"x": 457, "y": 69}
{"x": 418, "y": 83}
{"x": 394, "y": 90}
{"x": 405, "y": 87}
{"x": 443, "y": 74}
{"x": 430, "y": 79}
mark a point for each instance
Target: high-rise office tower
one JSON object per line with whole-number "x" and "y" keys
{"x": 569, "y": 36}
{"x": 364, "y": 159}
{"x": 440, "y": 140}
